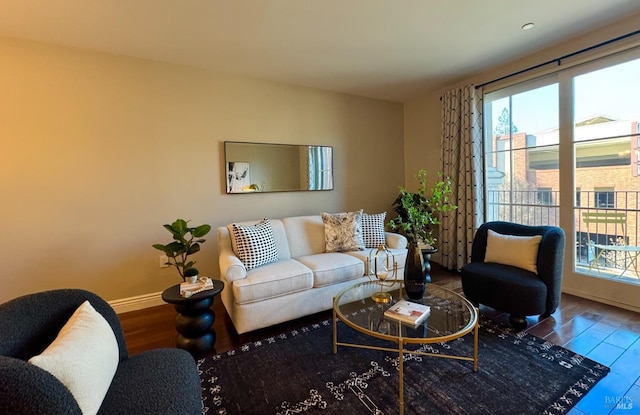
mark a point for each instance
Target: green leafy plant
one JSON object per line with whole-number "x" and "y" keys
{"x": 186, "y": 241}
{"x": 417, "y": 212}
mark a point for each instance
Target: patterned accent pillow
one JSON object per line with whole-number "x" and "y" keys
{"x": 343, "y": 231}
{"x": 255, "y": 244}
{"x": 373, "y": 229}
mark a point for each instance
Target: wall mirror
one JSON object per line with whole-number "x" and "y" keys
{"x": 263, "y": 167}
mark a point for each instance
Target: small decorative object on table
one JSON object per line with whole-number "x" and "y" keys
{"x": 408, "y": 312}
{"x": 191, "y": 275}
{"x": 382, "y": 265}
{"x": 188, "y": 289}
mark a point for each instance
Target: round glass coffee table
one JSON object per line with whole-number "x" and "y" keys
{"x": 451, "y": 316}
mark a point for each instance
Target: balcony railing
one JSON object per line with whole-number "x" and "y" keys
{"x": 619, "y": 213}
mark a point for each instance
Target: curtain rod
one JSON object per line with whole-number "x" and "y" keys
{"x": 558, "y": 60}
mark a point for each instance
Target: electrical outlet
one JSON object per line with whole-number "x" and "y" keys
{"x": 164, "y": 261}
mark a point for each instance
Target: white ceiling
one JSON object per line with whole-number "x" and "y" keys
{"x": 389, "y": 49}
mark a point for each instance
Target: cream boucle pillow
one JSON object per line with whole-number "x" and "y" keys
{"x": 517, "y": 251}
{"x": 84, "y": 357}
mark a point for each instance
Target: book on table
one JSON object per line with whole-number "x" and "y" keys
{"x": 189, "y": 289}
{"x": 408, "y": 312}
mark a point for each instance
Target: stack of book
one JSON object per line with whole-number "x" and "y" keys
{"x": 408, "y": 312}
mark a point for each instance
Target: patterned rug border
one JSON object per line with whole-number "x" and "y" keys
{"x": 545, "y": 349}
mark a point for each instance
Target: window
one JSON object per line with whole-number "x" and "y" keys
{"x": 521, "y": 153}
{"x": 604, "y": 198}
{"x": 544, "y": 196}
{"x": 578, "y": 128}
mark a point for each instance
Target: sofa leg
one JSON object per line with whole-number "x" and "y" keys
{"x": 518, "y": 322}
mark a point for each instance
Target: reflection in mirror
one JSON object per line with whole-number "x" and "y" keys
{"x": 261, "y": 167}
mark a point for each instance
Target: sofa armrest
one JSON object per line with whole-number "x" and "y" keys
{"x": 395, "y": 240}
{"x": 231, "y": 268}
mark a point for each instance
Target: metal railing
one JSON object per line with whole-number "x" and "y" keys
{"x": 535, "y": 207}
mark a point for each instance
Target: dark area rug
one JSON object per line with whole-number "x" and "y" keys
{"x": 296, "y": 373}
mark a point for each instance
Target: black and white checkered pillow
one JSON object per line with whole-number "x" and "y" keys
{"x": 255, "y": 244}
{"x": 373, "y": 229}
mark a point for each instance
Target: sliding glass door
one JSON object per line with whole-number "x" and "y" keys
{"x": 564, "y": 150}
{"x": 521, "y": 154}
{"x": 606, "y": 120}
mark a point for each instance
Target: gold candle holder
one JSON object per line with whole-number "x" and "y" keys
{"x": 381, "y": 267}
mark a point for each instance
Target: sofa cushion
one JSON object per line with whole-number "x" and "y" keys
{"x": 272, "y": 280}
{"x": 255, "y": 244}
{"x": 373, "y": 229}
{"x": 504, "y": 287}
{"x": 84, "y": 357}
{"x": 305, "y": 235}
{"x": 343, "y": 231}
{"x": 332, "y": 267}
{"x": 517, "y": 251}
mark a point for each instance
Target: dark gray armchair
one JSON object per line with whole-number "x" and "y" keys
{"x": 514, "y": 290}
{"x": 162, "y": 381}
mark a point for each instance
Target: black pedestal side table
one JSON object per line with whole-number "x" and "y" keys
{"x": 426, "y": 255}
{"x": 195, "y": 318}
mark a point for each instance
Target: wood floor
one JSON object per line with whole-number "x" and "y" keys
{"x": 603, "y": 333}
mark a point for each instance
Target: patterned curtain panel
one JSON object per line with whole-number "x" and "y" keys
{"x": 462, "y": 161}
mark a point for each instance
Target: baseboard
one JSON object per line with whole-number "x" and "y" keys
{"x": 601, "y": 300}
{"x": 139, "y": 302}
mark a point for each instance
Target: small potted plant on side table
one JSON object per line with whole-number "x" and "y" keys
{"x": 416, "y": 213}
{"x": 186, "y": 241}
{"x": 195, "y": 316}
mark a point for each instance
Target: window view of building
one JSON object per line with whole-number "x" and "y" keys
{"x": 523, "y": 168}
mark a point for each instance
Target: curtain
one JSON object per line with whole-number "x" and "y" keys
{"x": 462, "y": 160}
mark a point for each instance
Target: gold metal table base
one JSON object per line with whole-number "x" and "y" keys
{"x": 402, "y": 351}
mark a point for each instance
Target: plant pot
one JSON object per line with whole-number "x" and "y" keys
{"x": 191, "y": 275}
{"x": 414, "y": 276}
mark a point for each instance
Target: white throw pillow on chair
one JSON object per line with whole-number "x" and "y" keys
{"x": 517, "y": 251}
{"x": 84, "y": 357}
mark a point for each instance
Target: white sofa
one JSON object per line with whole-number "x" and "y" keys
{"x": 302, "y": 281}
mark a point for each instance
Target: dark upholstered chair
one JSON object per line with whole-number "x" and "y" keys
{"x": 162, "y": 381}
{"x": 514, "y": 290}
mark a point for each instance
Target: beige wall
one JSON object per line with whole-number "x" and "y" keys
{"x": 99, "y": 151}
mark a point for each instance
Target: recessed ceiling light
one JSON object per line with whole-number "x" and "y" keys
{"x": 527, "y": 26}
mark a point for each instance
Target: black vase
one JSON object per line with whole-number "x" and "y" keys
{"x": 414, "y": 277}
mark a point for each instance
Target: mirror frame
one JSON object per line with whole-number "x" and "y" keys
{"x": 252, "y": 167}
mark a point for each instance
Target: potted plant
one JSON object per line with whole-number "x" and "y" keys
{"x": 417, "y": 213}
{"x": 186, "y": 241}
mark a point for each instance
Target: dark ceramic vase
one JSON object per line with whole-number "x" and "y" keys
{"x": 414, "y": 277}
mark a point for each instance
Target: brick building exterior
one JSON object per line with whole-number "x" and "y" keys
{"x": 606, "y": 177}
